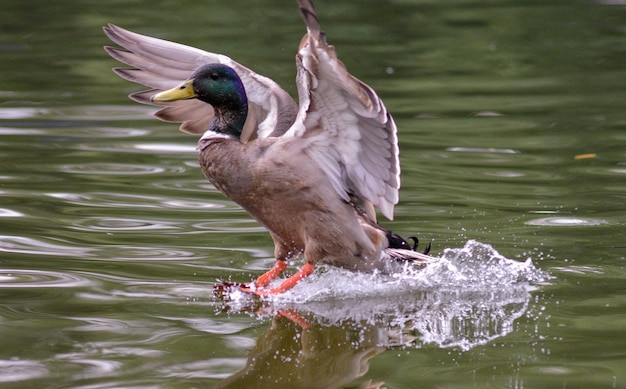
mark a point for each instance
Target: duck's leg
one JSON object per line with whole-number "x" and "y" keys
{"x": 269, "y": 276}
{"x": 264, "y": 279}
{"x": 289, "y": 283}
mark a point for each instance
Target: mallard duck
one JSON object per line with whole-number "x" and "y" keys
{"x": 312, "y": 173}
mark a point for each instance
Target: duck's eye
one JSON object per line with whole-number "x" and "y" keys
{"x": 214, "y": 76}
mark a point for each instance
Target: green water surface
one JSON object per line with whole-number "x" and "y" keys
{"x": 512, "y": 128}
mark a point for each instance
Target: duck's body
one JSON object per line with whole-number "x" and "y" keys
{"x": 298, "y": 206}
{"x": 311, "y": 173}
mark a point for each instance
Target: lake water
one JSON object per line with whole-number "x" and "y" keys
{"x": 512, "y": 127}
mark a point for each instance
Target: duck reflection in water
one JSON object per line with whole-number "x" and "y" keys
{"x": 291, "y": 356}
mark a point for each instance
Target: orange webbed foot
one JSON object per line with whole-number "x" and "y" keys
{"x": 259, "y": 287}
{"x": 289, "y": 283}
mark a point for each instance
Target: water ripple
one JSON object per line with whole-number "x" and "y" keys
{"x": 209, "y": 325}
{"x": 104, "y": 113}
{"x": 160, "y": 148}
{"x": 95, "y": 367}
{"x": 31, "y": 177}
{"x": 111, "y": 169}
{"x": 13, "y": 370}
{"x": 101, "y": 132}
{"x": 21, "y": 278}
{"x": 214, "y": 368}
{"x": 482, "y": 150}
{"x": 167, "y": 148}
{"x": 123, "y": 200}
{"x": 109, "y": 200}
{"x": 188, "y": 185}
{"x": 229, "y": 226}
{"x": 19, "y": 131}
{"x": 78, "y": 113}
{"x": 200, "y": 204}
{"x": 566, "y": 222}
{"x": 121, "y": 224}
{"x": 22, "y": 113}
{"x": 135, "y": 253}
{"x": 579, "y": 269}
{"x": 89, "y": 134}
{"x": 4, "y": 212}
{"x": 24, "y": 245}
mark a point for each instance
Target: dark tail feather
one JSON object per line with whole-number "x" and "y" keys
{"x": 399, "y": 249}
{"x": 416, "y": 243}
{"x": 398, "y": 242}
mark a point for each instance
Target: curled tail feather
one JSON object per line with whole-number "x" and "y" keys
{"x": 400, "y": 249}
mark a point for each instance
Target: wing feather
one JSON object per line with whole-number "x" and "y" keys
{"x": 161, "y": 65}
{"x": 343, "y": 124}
{"x": 350, "y": 132}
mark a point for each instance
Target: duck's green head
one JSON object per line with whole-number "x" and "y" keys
{"x": 220, "y": 86}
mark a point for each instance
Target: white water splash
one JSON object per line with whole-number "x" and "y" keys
{"x": 471, "y": 296}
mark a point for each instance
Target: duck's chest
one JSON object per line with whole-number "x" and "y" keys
{"x": 263, "y": 178}
{"x": 225, "y": 164}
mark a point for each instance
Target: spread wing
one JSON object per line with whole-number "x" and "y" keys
{"x": 161, "y": 65}
{"x": 345, "y": 125}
